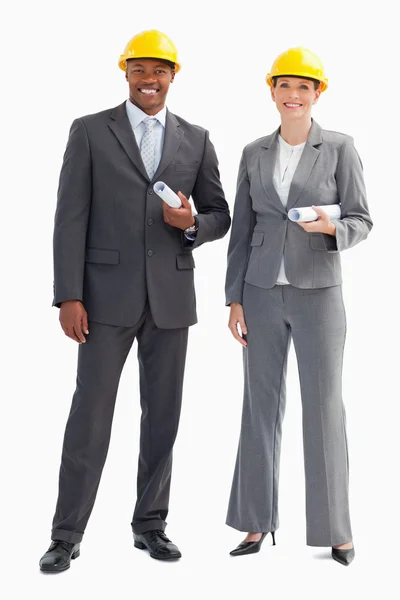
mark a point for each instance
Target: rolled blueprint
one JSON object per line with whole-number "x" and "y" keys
{"x": 306, "y": 213}
{"x": 165, "y": 192}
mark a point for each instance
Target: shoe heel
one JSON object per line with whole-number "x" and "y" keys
{"x": 76, "y": 554}
{"x": 273, "y": 538}
{"x": 139, "y": 545}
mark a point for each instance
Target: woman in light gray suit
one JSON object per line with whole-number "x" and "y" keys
{"x": 284, "y": 281}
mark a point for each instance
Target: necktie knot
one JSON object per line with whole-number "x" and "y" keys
{"x": 149, "y": 123}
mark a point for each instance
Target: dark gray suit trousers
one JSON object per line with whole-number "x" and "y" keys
{"x": 161, "y": 355}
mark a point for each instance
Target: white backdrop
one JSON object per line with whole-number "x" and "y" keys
{"x": 59, "y": 61}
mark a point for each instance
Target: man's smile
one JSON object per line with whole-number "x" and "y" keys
{"x": 148, "y": 91}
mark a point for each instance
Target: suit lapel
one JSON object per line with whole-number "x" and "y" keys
{"x": 268, "y": 158}
{"x": 172, "y": 139}
{"x": 306, "y": 164}
{"x": 267, "y": 161}
{"x": 121, "y": 128}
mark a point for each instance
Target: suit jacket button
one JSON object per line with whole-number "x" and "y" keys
{"x": 150, "y": 222}
{"x": 150, "y": 252}
{"x": 150, "y": 191}
{"x": 284, "y": 217}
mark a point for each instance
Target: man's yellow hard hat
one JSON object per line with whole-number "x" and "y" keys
{"x": 150, "y": 44}
{"x": 299, "y": 62}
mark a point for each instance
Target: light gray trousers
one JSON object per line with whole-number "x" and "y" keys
{"x": 316, "y": 320}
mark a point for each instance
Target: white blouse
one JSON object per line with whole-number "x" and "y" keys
{"x": 286, "y": 165}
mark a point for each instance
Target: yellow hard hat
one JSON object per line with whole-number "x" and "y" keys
{"x": 299, "y": 62}
{"x": 150, "y": 44}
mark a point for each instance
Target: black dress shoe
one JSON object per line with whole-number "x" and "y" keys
{"x": 344, "y": 557}
{"x": 251, "y": 547}
{"x": 58, "y": 556}
{"x": 157, "y": 543}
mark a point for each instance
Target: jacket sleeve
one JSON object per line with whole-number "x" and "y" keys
{"x": 71, "y": 217}
{"x": 209, "y": 200}
{"x": 244, "y": 220}
{"x": 355, "y": 223}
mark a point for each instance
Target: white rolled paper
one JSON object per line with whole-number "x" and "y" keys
{"x": 306, "y": 213}
{"x": 165, "y": 192}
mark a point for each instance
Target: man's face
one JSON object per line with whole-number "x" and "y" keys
{"x": 294, "y": 97}
{"x": 149, "y": 80}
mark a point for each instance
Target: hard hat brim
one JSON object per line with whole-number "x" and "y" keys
{"x": 123, "y": 59}
{"x": 323, "y": 83}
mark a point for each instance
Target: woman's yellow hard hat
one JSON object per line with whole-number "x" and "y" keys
{"x": 299, "y": 62}
{"x": 150, "y": 44}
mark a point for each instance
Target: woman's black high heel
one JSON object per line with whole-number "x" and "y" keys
{"x": 344, "y": 557}
{"x": 251, "y": 547}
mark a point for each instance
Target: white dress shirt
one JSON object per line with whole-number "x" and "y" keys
{"x": 136, "y": 117}
{"x": 286, "y": 164}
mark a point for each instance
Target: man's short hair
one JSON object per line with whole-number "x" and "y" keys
{"x": 166, "y": 62}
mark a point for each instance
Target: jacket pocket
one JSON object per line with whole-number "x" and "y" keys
{"x": 317, "y": 241}
{"x": 105, "y": 257}
{"x": 186, "y": 167}
{"x": 257, "y": 239}
{"x": 185, "y": 261}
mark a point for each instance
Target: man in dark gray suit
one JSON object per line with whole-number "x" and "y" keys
{"x": 123, "y": 269}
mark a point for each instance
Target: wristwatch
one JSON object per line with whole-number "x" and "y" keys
{"x": 193, "y": 228}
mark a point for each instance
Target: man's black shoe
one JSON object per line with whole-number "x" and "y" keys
{"x": 157, "y": 543}
{"x": 58, "y": 557}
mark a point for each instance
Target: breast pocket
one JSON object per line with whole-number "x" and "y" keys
{"x": 182, "y": 167}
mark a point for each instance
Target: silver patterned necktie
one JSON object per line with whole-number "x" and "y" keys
{"x": 148, "y": 146}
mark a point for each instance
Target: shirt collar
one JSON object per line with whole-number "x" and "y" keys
{"x": 288, "y": 146}
{"x": 137, "y": 116}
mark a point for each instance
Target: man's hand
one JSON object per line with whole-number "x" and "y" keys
{"x": 322, "y": 225}
{"x": 74, "y": 320}
{"x": 182, "y": 217}
{"x": 237, "y": 317}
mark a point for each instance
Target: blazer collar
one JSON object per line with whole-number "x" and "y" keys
{"x": 268, "y": 156}
{"x": 121, "y": 128}
{"x": 314, "y": 136}
{"x": 172, "y": 140}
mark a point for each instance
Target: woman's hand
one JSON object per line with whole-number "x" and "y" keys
{"x": 237, "y": 317}
{"x": 322, "y": 225}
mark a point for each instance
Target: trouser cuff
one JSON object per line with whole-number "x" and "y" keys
{"x": 142, "y": 526}
{"x": 328, "y": 543}
{"x": 73, "y": 537}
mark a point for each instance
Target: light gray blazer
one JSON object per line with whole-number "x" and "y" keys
{"x": 329, "y": 172}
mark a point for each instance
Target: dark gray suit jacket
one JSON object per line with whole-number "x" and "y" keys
{"x": 112, "y": 247}
{"x": 329, "y": 172}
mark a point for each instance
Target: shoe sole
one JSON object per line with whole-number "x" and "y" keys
{"x": 57, "y": 570}
{"x": 345, "y": 564}
{"x": 142, "y": 546}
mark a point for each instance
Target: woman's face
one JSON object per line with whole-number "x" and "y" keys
{"x": 294, "y": 97}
